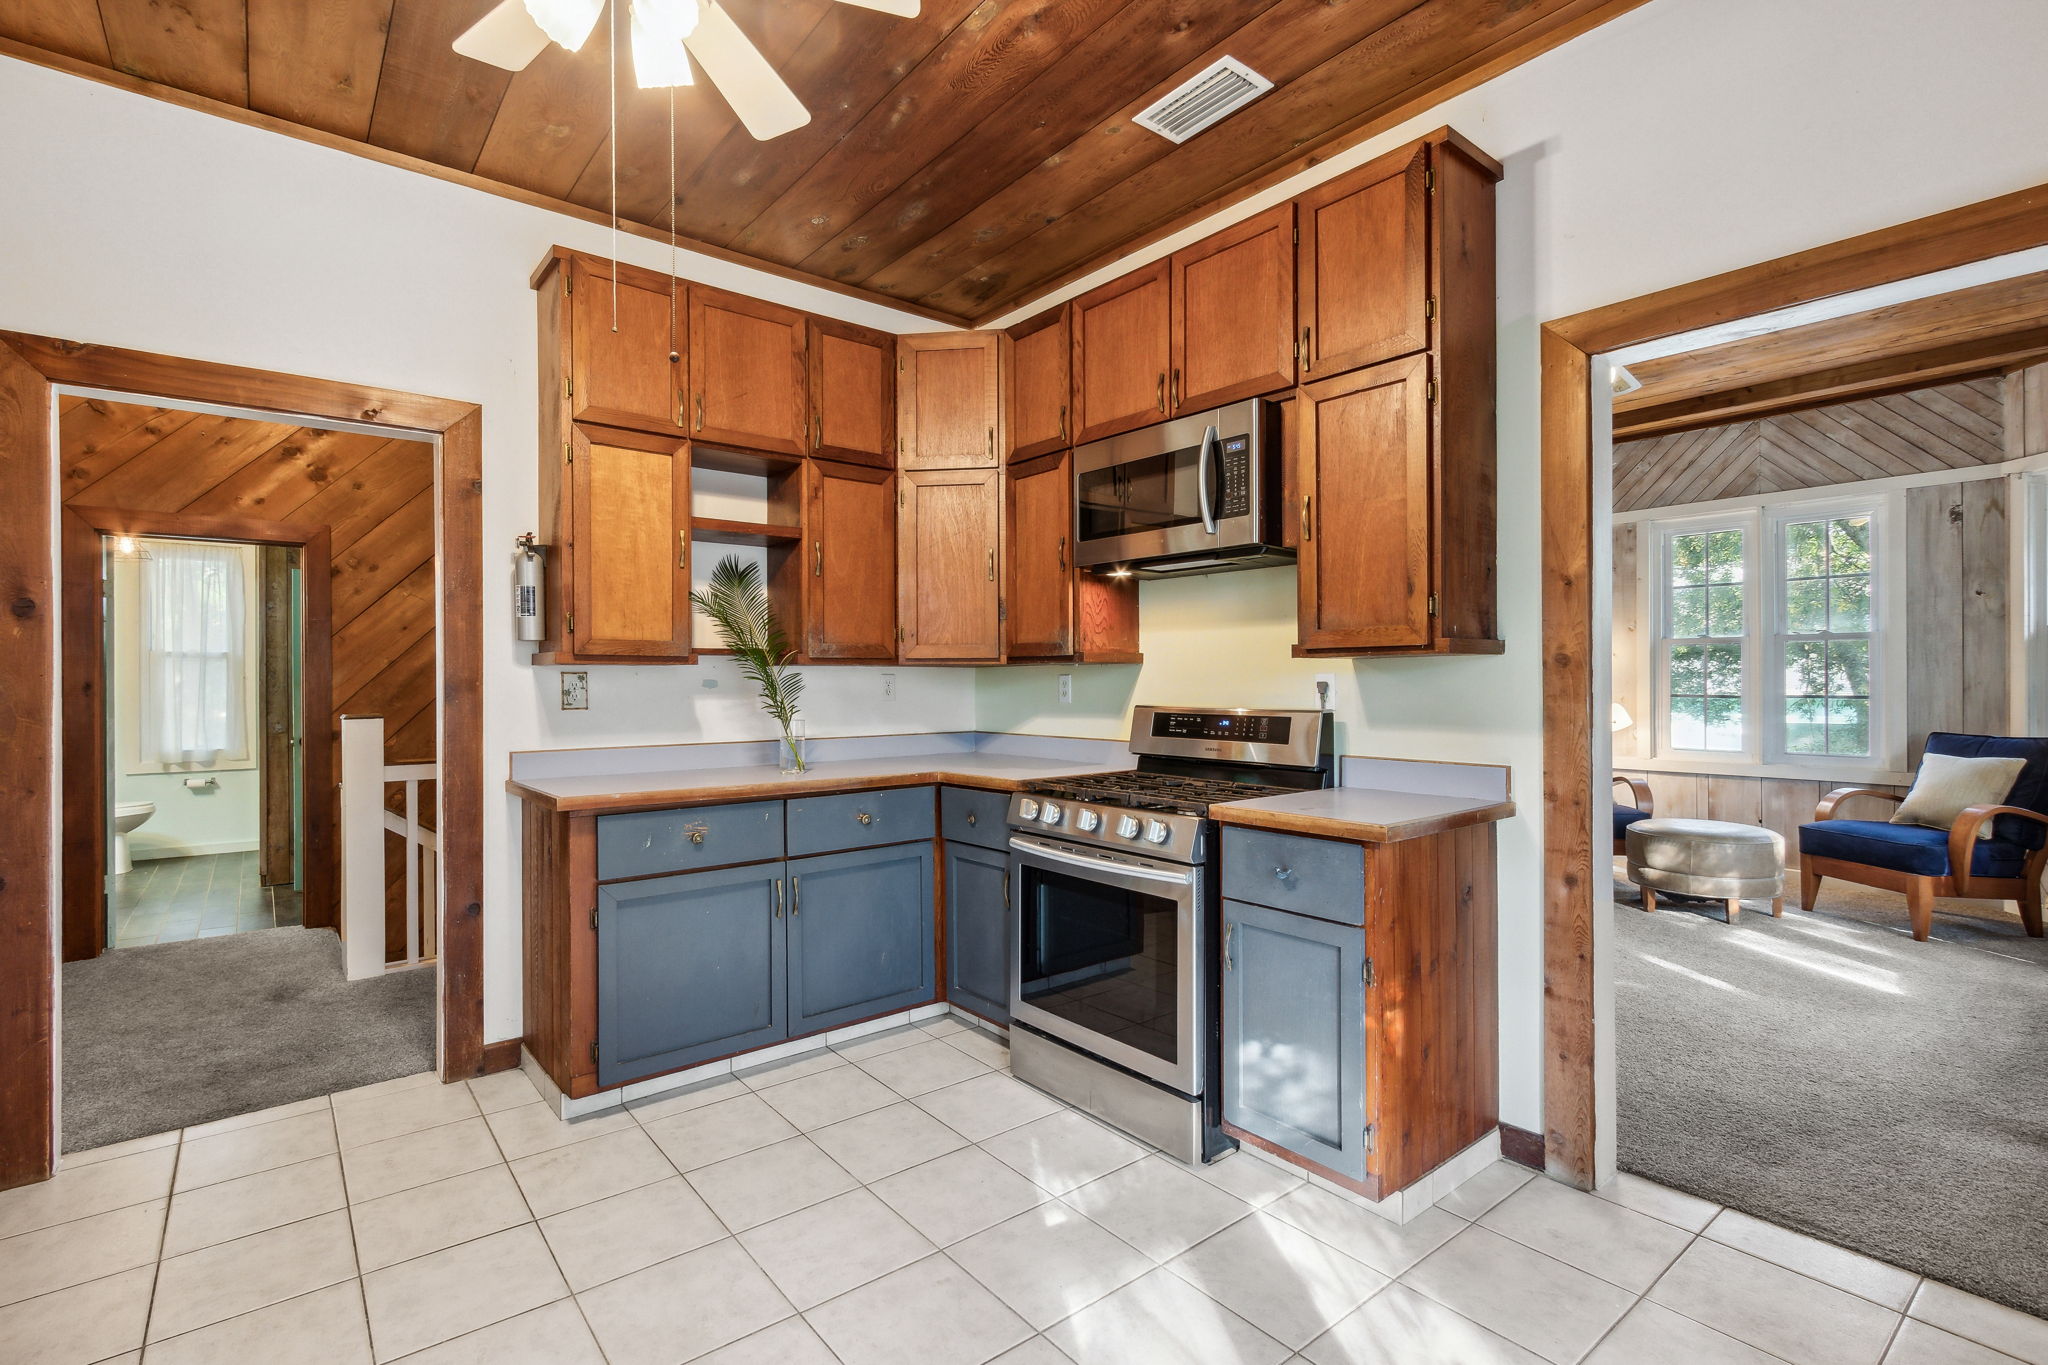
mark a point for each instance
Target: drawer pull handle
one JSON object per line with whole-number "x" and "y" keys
{"x": 695, "y": 833}
{"x": 1285, "y": 874}
{"x": 865, "y": 818}
{"x": 973, "y": 819}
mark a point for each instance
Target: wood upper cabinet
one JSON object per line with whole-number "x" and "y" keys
{"x": 1363, "y": 265}
{"x": 1040, "y": 598}
{"x": 623, "y": 377}
{"x": 1038, "y": 388}
{"x": 1122, "y": 351}
{"x": 624, "y": 572}
{"x": 853, "y": 393}
{"x": 948, "y": 400}
{"x": 1366, "y": 544}
{"x": 949, "y": 565}
{"x": 1052, "y": 609}
{"x": 747, "y": 380}
{"x": 848, "y": 561}
{"x": 1233, "y": 314}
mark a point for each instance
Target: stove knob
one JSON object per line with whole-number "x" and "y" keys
{"x": 1126, "y": 827}
{"x": 1050, "y": 813}
{"x": 1027, "y": 808}
{"x": 1155, "y": 832}
{"x": 1087, "y": 821}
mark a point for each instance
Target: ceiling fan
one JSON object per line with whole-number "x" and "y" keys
{"x": 665, "y": 35}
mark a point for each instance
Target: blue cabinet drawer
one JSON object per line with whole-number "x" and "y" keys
{"x": 642, "y": 843}
{"x": 969, "y": 816}
{"x": 827, "y": 824}
{"x": 1318, "y": 877}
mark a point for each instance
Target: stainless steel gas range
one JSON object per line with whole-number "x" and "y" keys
{"x": 1113, "y": 984}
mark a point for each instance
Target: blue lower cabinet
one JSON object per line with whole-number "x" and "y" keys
{"x": 1294, "y": 1033}
{"x": 979, "y": 929}
{"x": 689, "y": 968}
{"x": 860, "y": 934}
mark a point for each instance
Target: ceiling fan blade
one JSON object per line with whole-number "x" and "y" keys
{"x": 505, "y": 37}
{"x": 904, "y": 9}
{"x": 761, "y": 98}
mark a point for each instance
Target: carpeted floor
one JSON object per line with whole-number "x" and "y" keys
{"x": 1828, "y": 1073}
{"x": 173, "y": 1034}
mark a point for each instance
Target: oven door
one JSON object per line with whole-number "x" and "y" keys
{"x": 1109, "y": 957}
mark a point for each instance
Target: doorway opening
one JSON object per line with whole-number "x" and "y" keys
{"x": 204, "y": 718}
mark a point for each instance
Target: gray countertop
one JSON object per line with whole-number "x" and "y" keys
{"x": 1363, "y": 813}
{"x": 700, "y": 786}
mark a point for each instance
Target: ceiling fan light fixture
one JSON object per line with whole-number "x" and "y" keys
{"x": 506, "y": 37}
{"x": 659, "y": 27}
{"x": 568, "y": 22}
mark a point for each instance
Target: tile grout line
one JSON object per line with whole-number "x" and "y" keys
{"x": 156, "y": 1271}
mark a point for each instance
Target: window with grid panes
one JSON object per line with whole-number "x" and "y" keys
{"x": 1825, "y": 643}
{"x": 1706, "y": 618}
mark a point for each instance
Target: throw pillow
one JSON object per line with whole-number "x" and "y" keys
{"x": 1947, "y": 785}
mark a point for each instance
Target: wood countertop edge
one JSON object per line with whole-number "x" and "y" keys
{"x": 1326, "y": 827}
{"x": 679, "y": 797}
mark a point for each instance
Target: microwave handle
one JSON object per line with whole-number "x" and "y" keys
{"x": 1203, "y": 464}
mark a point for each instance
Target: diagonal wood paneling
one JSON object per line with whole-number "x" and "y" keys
{"x": 1949, "y": 426}
{"x": 962, "y": 162}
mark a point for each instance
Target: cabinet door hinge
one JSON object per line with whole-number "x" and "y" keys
{"x": 1372, "y": 1137}
{"x": 593, "y": 1057}
{"x": 1429, "y": 307}
{"x": 1429, "y": 182}
{"x": 899, "y": 635}
{"x": 568, "y": 283}
{"x": 569, "y": 623}
{"x": 1429, "y": 391}
{"x": 1366, "y": 972}
{"x": 568, "y": 452}
{"x": 1002, "y": 610}
{"x": 593, "y": 919}
{"x": 568, "y": 388}
{"x": 1432, "y": 604}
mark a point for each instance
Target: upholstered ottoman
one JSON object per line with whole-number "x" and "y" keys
{"x": 1713, "y": 859}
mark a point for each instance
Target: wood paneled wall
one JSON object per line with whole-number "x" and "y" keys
{"x": 376, "y": 496}
{"x": 1957, "y": 540}
{"x": 1949, "y": 426}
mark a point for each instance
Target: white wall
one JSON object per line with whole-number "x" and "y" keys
{"x": 1680, "y": 140}
{"x": 1688, "y": 137}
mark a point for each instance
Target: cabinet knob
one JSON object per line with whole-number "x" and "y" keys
{"x": 1285, "y": 874}
{"x": 864, "y": 818}
{"x": 973, "y": 819}
{"x": 695, "y": 834}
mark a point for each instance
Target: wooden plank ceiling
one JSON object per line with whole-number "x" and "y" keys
{"x": 375, "y": 494}
{"x": 1947, "y": 426}
{"x": 1979, "y": 330}
{"x": 960, "y": 163}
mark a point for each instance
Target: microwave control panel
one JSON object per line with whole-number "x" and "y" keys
{"x": 1236, "y": 463}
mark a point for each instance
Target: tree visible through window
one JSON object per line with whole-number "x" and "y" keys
{"x": 1706, "y": 619}
{"x": 1826, "y": 644}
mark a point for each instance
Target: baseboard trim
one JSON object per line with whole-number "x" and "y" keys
{"x": 1521, "y": 1146}
{"x": 502, "y": 1055}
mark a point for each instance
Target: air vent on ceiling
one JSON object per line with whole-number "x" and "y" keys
{"x": 1205, "y": 101}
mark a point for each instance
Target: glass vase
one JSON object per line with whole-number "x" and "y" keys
{"x": 793, "y": 746}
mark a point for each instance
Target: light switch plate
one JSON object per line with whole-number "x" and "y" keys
{"x": 575, "y": 690}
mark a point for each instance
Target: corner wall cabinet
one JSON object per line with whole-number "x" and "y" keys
{"x": 1038, "y": 387}
{"x": 1358, "y": 1013}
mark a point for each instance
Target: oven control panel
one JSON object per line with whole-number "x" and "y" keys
{"x": 1245, "y": 727}
{"x": 1236, "y": 465}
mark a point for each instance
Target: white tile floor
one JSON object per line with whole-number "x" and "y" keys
{"x": 900, "y": 1202}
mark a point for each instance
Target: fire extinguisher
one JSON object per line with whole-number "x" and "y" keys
{"x": 527, "y": 574}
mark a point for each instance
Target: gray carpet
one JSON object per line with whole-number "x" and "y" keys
{"x": 173, "y": 1034}
{"x": 1826, "y": 1072}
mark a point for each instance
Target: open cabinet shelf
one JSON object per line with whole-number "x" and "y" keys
{"x": 719, "y": 531}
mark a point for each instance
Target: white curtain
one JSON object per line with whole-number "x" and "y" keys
{"x": 194, "y": 653}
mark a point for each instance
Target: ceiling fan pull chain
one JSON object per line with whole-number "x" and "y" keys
{"x": 612, "y": 61}
{"x": 675, "y": 354}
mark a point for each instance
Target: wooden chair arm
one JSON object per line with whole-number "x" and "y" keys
{"x": 1962, "y": 835}
{"x": 1826, "y": 809}
{"x": 1639, "y": 793}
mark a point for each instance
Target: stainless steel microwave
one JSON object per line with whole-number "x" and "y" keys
{"x": 1199, "y": 494}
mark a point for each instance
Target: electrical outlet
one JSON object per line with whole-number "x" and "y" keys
{"x": 1326, "y": 690}
{"x": 888, "y": 686}
{"x": 575, "y": 690}
{"x": 1066, "y": 689}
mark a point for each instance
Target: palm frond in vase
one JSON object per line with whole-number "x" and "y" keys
{"x": 736, "y": 600}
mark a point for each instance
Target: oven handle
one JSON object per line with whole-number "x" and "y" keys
{"x": 1038, "y": 850}
{"x": 1202, "y": 464}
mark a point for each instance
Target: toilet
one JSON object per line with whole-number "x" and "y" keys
{"x": 128, "y": 815}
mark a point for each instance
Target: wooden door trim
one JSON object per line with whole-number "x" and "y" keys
{"x": 84, "y": 832}
{"x": 30, "y": 846}
{"x": 1572, "y": 880}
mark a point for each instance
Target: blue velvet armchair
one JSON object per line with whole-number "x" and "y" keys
{"x": 1924, "y": 863}
{"x": 1624, "y": 816}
